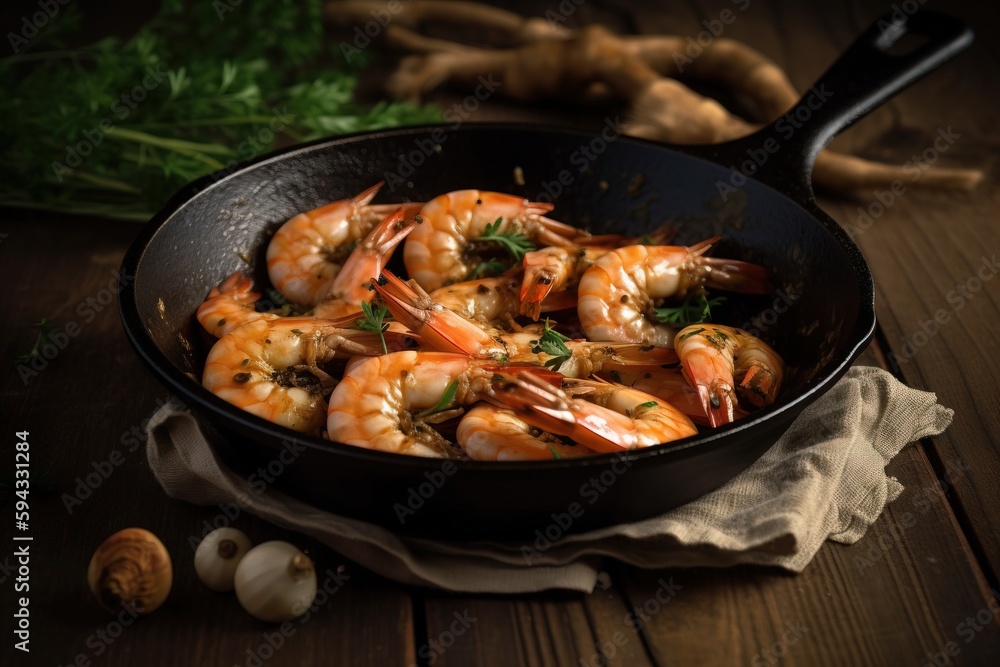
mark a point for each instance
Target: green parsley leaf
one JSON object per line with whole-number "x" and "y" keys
{"x": 514, "y": 243}
{"x": 45, "y": 330}
{"x": 694, "y": 310}
{"x": 373, "y": 321}
{"x": 444, "y": 403}
{"x": 553, "y": 343}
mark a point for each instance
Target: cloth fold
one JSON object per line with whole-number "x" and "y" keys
{"x": 824, "y": 479}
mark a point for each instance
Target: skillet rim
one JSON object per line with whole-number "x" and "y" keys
{"x": 201, "y": 399}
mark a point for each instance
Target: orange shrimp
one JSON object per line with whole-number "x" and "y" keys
{"x": 713, "y": 355}
{"x": 352, "y": 285}
{"x": 668, "y": 384}
{"x": 230, "y": 305}
{"x": 445, "y": 248}
{"x": 602, "y": 416}
{"x": 373, "y": 406}
{"x": 552, "y": 270}
{"x": 491, "y": 433}
{"x": 617, "y": 295}
{"x": 448, "y": 331}
{"x": 273, "y": 368}
{"x": 305, "y": 254}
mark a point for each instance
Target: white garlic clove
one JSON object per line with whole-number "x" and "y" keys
{"x": 217, "y": 556}
{"x": 275, "y": 582}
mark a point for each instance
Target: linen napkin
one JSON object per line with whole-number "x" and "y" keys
{"x": 824, "y": 479}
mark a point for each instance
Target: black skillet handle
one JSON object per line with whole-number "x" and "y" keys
{"x": 782, "y": 154}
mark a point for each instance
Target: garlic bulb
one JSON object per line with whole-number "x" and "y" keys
{"x": 217, "y": 556}
{"x": 275, "y": 582}
{"x": 131, "y": 567}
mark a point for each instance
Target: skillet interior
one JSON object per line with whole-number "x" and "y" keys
{"x": 632, "y": 186}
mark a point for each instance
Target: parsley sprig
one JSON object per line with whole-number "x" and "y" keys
{"x": 513, "y": 242}
{"x": 374, "y": 321}
{"x": 553, "y": 343}
{"x": 45, "y": 330}
{"x": 444, "y": 403}
{"x": 694, "y": 310}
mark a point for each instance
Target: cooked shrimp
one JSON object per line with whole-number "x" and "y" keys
{"x": 230, "y": 305}
{"x": 352, "y": 285}
{"x": 448, "y": 331}
{"x": 306, "y": 252}
{"x": 618, "y": 293}
{"x": 554, "y": 269}
{"x": 491, "y": 433}
{"x": 493, "y": 301}
{"x": 602, "y": 416}
{"x": 272, "y": 368}
{"x": 668, "y": 384}
{"x": 445, "y": 249}
{"x": 373, "y": 405}
{"x": 713, "y": 355}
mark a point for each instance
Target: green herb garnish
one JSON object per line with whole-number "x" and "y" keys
{"x": 514, "y": 243}
{"x": 555, "y": 452}
{"x": 114, "y": 128}
{"x": 553, "y": 343}
{"x": 647, "y": 404}
{"x": 444, "y": 403}
{"x": 374, "y": 321}
{"x": 694, "y": 310}
{"x": 488, "y": 269}
{"x": 45, "y": 330}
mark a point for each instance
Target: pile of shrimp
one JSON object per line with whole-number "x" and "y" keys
{"x": 451, "y": 364}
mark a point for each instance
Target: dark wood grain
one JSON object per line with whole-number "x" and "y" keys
{"x": 81, "y": 411}
{"x": 899, "y": 596}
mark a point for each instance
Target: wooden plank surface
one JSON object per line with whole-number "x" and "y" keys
{"x": 89, "y": 403}
{"x": 900, "y": 596}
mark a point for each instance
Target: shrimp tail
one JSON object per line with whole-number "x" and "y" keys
{"x": 533, "y": 290}
{"x": 557, "y": 233}
{"x": 730, "y": 274}
{"x": 238, "y": 287}
{"x": 759, "y": 386}
{"x": 736, "y": 276}
{"x": 717, "y": 403}
{"x": 390, "y": 232}
{"x": 440, "y": 328}
{"x": 365, "y": 196}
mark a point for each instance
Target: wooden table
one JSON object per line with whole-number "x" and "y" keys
{"x": 919, "y": 588}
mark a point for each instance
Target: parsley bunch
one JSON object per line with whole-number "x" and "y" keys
{"x": 114, "y": 128}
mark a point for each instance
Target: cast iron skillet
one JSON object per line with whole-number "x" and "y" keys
{"x": 820, "y": 319}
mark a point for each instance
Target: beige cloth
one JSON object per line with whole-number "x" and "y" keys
{"x": 824, "y": 479}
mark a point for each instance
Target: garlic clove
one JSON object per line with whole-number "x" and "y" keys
{"x": 275, "y": 582}
{"x": 132, "y": 567}
{"x": 217, "y": 556}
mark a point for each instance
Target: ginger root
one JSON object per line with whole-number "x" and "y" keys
{"x": 547, "y": 61}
